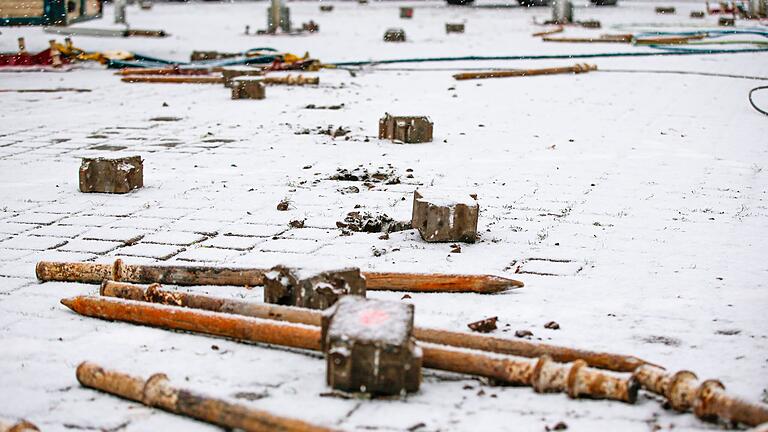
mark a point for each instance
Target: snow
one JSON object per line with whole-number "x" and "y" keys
{"x": 653, "y": 187}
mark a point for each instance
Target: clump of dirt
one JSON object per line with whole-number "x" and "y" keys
{"x": 389, "y": 177}
{"x": 371, "y": 223}
{"x": 664, "y": 340}
{"x": 328, "y": 107}
{"x": 484, "y": 326}
{"x": 320, "y": 130}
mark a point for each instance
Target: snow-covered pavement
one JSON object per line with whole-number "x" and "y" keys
{"x": 634, "y": 206}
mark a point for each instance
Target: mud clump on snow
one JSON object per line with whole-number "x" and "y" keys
{"x": 361, "y": 174}
{"x": 327, "y": 107}
{"x": 486, "y": 325}
{"x": 370, "y": 223}
{"x": 664, "y": 340}
{"x": 320, "y": 130}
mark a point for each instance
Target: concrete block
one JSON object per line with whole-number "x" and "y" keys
{"x": 445, "y": 220}
{"x": 454, "y": 28}
{"x": 120, "y": 175}
{"x": 406, "y": 12}
{"x": 394, "y": 35}
{"x": 231, "y": 72}
{"x": 248, "y": 88}
{"x": 370, "y": 348}
{"x": 413, "y": 129}
{"x": 311, "y": 288}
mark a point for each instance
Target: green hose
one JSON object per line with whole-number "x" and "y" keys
{"x": 553, "y": 56}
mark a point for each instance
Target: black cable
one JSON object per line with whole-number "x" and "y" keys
{"x": 753, "y": 102}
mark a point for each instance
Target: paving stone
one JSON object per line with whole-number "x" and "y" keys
{"x": 95, "y": 221}
{"x": 114, "y": 234}
{"x": 148, "y": 250}
{"x": 232, "y": 242}
{"x": 181, "y": 238}
{"x": 92, "y": 246}
{"x": 13, "y": 228}
{"x": 65, "y": 231}
{"x": 255, "y": 230}
{"x": 207, "y": 254}
{"x": 36, "y": 218}
{"x": 32, "y": 242}
{"x": 288, "y": 245}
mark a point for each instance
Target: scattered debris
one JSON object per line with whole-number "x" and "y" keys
{"x": 557, "y": 427}
{"x": 297, "y": 223}
{"x": 329, "y": 130}
{"x": 455, "y": 248}
{"x": 359, "y": 332}
{"x": 406, "y": 12}
{"x": 523, "y": 333}
{"x": 663, "y": 10}
{"x": 120, "y": 175}
{"x": 445, "y": 220}
{"x": 486, "y": 325}
{"x": 552, "y": 325}
{"x": 363, "y": 175}
{"x": 371, "y": 223}
{"x": 326, "y": 107}
{"x": 698, "y": 14}
{"x": 664, "y": 340}
{"x": 326, "y": 8}
{"x": 284, "y": 204}
{"x": 165, "y": 119}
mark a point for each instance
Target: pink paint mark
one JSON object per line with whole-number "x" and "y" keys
{"x": 372, "y": 317}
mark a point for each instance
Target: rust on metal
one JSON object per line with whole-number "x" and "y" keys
{"x": 504, "y": 368}
{"x": 707, "y": 399}
{"x": 154, "y": 294}
{"x": 172, "y": 79}
{"x": 17, "y": 426}
{"x": 578, "y": 380}
{"x": 575, "y": 69}
{"x": 157, "y": 392}
{"x": 207, "y": 275}
{"x": 217, "y": 324}
{"x": 291, "y": 80}
{"x": 558, "y": 29}
{"x": 516, "y": 347}
{"x": 416, "y": 282}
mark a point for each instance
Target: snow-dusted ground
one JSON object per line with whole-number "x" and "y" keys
{"x": 652, "y": 188}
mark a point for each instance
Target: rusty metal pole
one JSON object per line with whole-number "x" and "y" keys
{"x": 308, "y": 337}
{"x": 707, "y": 399}
{"x": 157, "y": 392}
{"x": 576, "y": 69}
{"x": 154, "y": 294}
{"x": 206, "y": 275}
{"x": 17, "y": 426}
